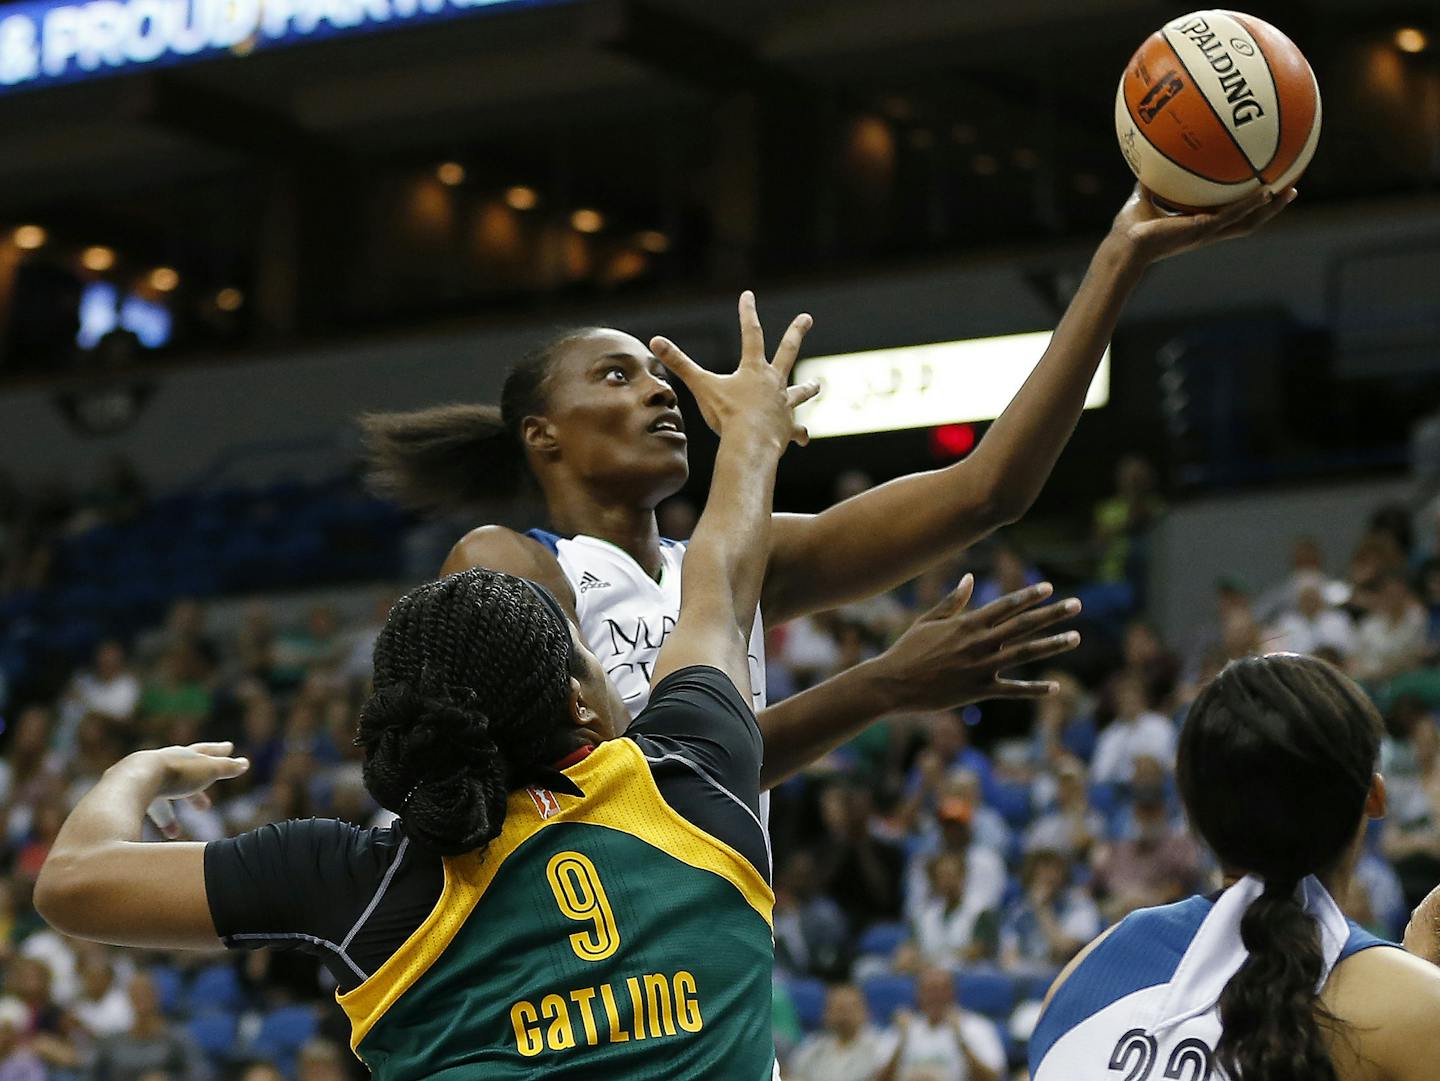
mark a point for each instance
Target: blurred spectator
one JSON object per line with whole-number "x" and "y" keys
{"x": 1157, "y": 864}
{"x": 178, "y": 689}
{"x": 952, "y": 928}
{"x": 151, "y": 1044}
{"x": 1391, "y": 638}
{"x": 848, "y": 1048}
{"x": 102, "y": 1006}
{"x": 254, "y": 645}
{"x": 1052, "y": 920}
{"x": 17, "y": 1062}
{"x": 320, "y": 1060}
{"x": 1009, "y": 571}
{"x": 261, "y": 1071}
{"x": 1412, "y": 829}
{"x": 184, "y": 624}
{"x": 1071, "y": 826}
{"x": 1430, "y": 598}
{"x": 811, "y": 936}
{"x": 1147, "y": 660}
{"x": 1312, "y": 625}
{"x": 109, "y": 689}
{"x": 1136, "y": 730}
{"x": 859, "y": 869}
{"x": 1307, "y": 567}
{"x": 984, "y": 878}
{"x": 316, "y": 645}
{"x": 1064, "y": 724}
{"x": 1123, "y": 522}
{"x": 942, "y": 1042}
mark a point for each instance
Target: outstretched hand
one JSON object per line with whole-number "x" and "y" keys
{"x": 1154, "y": 234}
{"x": 756, "y": 393}
{"x": 953, "y": 656}
{"x": 186, "y": 772}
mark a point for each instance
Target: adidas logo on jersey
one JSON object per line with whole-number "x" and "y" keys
{"x": 588, "y": 582}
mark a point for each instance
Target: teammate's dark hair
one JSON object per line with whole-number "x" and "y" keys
{"x": 1275, "y": 762}
{"x": 453, "y": 456}
{"x": 472, "y": 681}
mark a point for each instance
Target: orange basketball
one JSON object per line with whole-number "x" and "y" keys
{"x": 1215, "y": 105}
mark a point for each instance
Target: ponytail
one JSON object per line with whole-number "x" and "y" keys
{"x": 451, "y": 457}
{"x": 442, "y": 458}
{"x": 1270, "y": 1016}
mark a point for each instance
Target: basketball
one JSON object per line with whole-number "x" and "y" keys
{"x": 1215, "y": 105}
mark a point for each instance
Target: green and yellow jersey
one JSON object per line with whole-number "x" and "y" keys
{"x": 618, "y": 927}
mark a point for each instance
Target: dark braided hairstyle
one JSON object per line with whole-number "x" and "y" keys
{"x": 453, "y": 456}
{"x": 472, "y": 685}
{"x": 1275, "y": 763}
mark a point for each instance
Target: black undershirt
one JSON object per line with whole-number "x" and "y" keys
{"x": 352, "y": 896}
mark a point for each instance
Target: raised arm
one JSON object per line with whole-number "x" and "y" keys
{"x": 888, "y": 535}
{"x": 753, "y": 413}
{"x": 100, "y": 882}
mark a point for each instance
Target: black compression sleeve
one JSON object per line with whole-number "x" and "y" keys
{"x": 699, "y": 713}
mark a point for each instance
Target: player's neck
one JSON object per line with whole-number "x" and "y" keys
{"x": 631, "y": 529}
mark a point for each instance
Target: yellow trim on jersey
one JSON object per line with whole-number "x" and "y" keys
{"x": 620, "y": 794}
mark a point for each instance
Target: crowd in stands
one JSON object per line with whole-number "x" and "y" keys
{"x": 931, "y": 877}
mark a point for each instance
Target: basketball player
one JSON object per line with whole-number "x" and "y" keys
{"x": 1266, "y": 980}
{"x": 578, "y": 904}
{"x": 592, "y": 419}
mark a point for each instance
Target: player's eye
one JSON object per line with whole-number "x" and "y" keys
{"x": 615, "y": 374}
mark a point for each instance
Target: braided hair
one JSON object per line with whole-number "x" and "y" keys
{"x": 1274, "y": 766}
{"x": 450, "y": 457}
{"x": 472, "y": 690}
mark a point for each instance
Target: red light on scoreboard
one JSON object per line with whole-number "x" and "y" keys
{"x": 952, "y": 440}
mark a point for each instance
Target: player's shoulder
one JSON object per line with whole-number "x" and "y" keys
{"x": 1142, "y": 950}
{"x": 503, "y": 549}
{"x": 1388, "y": 1001}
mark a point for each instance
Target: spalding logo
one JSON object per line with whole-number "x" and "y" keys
{"x": 1243, "y": 106}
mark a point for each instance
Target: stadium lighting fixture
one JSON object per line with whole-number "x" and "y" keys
{"x": 586, "y": 220}
{"x": 921, "y": 386}
{"x": 520, "y": 197}
{"x": 97, "y": 258}
{"x": 29, "y": 237}
{"x": 653, "y": 241}
{"x": 450, "y": 173}
{"x": 1410, "y": 39}
{"x": 229, "y": 300}
{"x": 164, "y": 279}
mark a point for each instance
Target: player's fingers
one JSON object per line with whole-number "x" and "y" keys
{"x": 219, "y": 749}
{"x": 1029, "y": 623}
{"x": 676, "y": 361}
{"x": 752, "y": 335}
{"x": 1020, "y": 688}
{"x": 200, "y": 801}
{"x": 1038, "y": 650}
{"x": 163, "y": 815}
{"x": 955, "y": 601}
{"x": 1012, "y": 603}
{"x": 800, "y": 435}
{"x": 801, "y": 393}
{"x": 1257, "y": 219}
{"x": 789, "y": 348}
{"x": 1226, "y": 216}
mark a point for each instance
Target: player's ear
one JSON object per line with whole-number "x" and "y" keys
{"x": 582, "y": 713}
{"x": 538, "y": 434}
{"x": 1377, "y": 800}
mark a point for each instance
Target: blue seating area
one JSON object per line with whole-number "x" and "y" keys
{"x": 118, "y": 579}
{"x": 213, "y": 1003}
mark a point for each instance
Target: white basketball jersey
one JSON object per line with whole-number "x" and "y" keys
{"x": 625, "y": 615}
{"x": 1143, "y": 1005}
